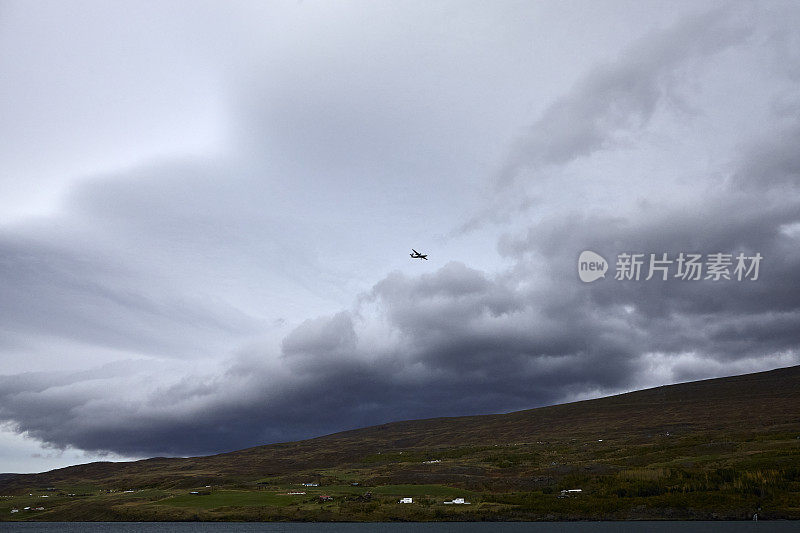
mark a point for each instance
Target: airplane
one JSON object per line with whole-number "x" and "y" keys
{"x": 417, "y": 255}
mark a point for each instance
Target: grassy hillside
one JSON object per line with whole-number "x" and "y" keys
{"x": 721, "y": 448}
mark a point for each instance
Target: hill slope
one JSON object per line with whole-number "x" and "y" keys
{"x": 747, "y": 423}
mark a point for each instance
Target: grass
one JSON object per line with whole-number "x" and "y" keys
{"x": 230, "y": 498}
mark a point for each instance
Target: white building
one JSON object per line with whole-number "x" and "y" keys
{"x": 406, "y": 500}
{"x": 457, "y": 501}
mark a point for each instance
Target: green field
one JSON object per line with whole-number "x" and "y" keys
{"x": 230, "y": 498}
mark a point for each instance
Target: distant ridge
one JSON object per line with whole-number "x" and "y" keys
{"x": 765, "y": 402}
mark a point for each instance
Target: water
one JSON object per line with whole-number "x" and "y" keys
{"x": 425, "y": 527}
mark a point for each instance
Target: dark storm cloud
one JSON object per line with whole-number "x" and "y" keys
{"x": 678, "y": 315}
{"x": 471, "y": 346}
{"x": 459, "y": 341}
{"x": 756, "y": 211}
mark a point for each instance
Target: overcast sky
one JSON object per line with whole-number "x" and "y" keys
{"x": 207, "y": 210}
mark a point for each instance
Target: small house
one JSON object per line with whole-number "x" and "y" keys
{"x": 406, "y": 500}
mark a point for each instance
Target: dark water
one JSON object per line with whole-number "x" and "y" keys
{"x": 439, "y": 527}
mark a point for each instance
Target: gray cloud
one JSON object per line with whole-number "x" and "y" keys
{"x": 623, "y": 96}
{"x": 461, "y": 342}
{"x": 66, "y": 293}
{"x": 772, "y": 162}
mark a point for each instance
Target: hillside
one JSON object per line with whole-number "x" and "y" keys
{"x": 714, "y": 448}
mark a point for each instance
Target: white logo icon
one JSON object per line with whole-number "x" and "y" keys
{"x": 591, "y": 266}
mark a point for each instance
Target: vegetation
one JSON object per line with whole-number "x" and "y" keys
{"x": 716, "y": 449}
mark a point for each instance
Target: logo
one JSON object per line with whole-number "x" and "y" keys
{"x": 591, "y": 266}
{"x": 630, "y": 266}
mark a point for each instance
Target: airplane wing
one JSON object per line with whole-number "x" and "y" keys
{"x": 413, "y": 250}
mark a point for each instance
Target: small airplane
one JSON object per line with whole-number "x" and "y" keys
{"x": 417, "y": 255}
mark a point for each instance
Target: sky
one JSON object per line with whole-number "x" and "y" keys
{"x": 207, "y": 210}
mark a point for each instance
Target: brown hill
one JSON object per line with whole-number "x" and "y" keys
{"x": 760, "y": 403}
